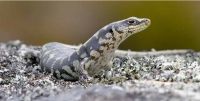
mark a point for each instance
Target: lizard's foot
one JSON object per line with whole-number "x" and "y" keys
{"x": 84, "y": 80}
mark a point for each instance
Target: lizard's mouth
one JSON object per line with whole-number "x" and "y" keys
{"x": 144, "y": 23}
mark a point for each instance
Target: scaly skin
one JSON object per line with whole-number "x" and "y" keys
{"x": 94, "y": 55}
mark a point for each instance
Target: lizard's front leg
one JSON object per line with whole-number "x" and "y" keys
{"x": 84, "y": 76}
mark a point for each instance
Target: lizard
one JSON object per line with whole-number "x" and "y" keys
{"x": 93, "y": 56}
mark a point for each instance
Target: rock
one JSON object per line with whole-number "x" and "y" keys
{"x": 153, "y": 76}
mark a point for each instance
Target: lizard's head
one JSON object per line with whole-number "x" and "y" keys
{"x": 110, "y": 36}
{"x": 125, "y": 28}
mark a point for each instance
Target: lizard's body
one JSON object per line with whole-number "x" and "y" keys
{"x": 92, "y": 56}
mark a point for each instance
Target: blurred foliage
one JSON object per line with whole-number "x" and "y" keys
{"x": 175, "y": 25}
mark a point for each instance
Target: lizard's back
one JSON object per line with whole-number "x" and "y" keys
{"x": 53, "y": 54}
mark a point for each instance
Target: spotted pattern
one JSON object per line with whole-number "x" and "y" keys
{"x": 94, "y": 55}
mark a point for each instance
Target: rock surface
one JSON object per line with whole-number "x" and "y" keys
{"x": 165, "y": 77}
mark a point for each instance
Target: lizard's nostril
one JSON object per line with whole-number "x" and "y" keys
{"x": 147, "y": 21}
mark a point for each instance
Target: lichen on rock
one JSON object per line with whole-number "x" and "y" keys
{"x": 155, "y": 75}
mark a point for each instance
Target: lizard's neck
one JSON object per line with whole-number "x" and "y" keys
{"x": 103, "y": 42}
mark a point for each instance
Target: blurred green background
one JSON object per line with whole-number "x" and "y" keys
{"x": 175, "y": 25}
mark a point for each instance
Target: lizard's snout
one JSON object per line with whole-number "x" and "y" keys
{"x": 147, "y": 21}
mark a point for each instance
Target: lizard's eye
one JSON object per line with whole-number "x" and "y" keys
{"x": 132, "y": 22}
{"x": 110, "y": 30}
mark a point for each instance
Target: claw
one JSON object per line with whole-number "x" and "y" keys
{"x": 84, "y": 80}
